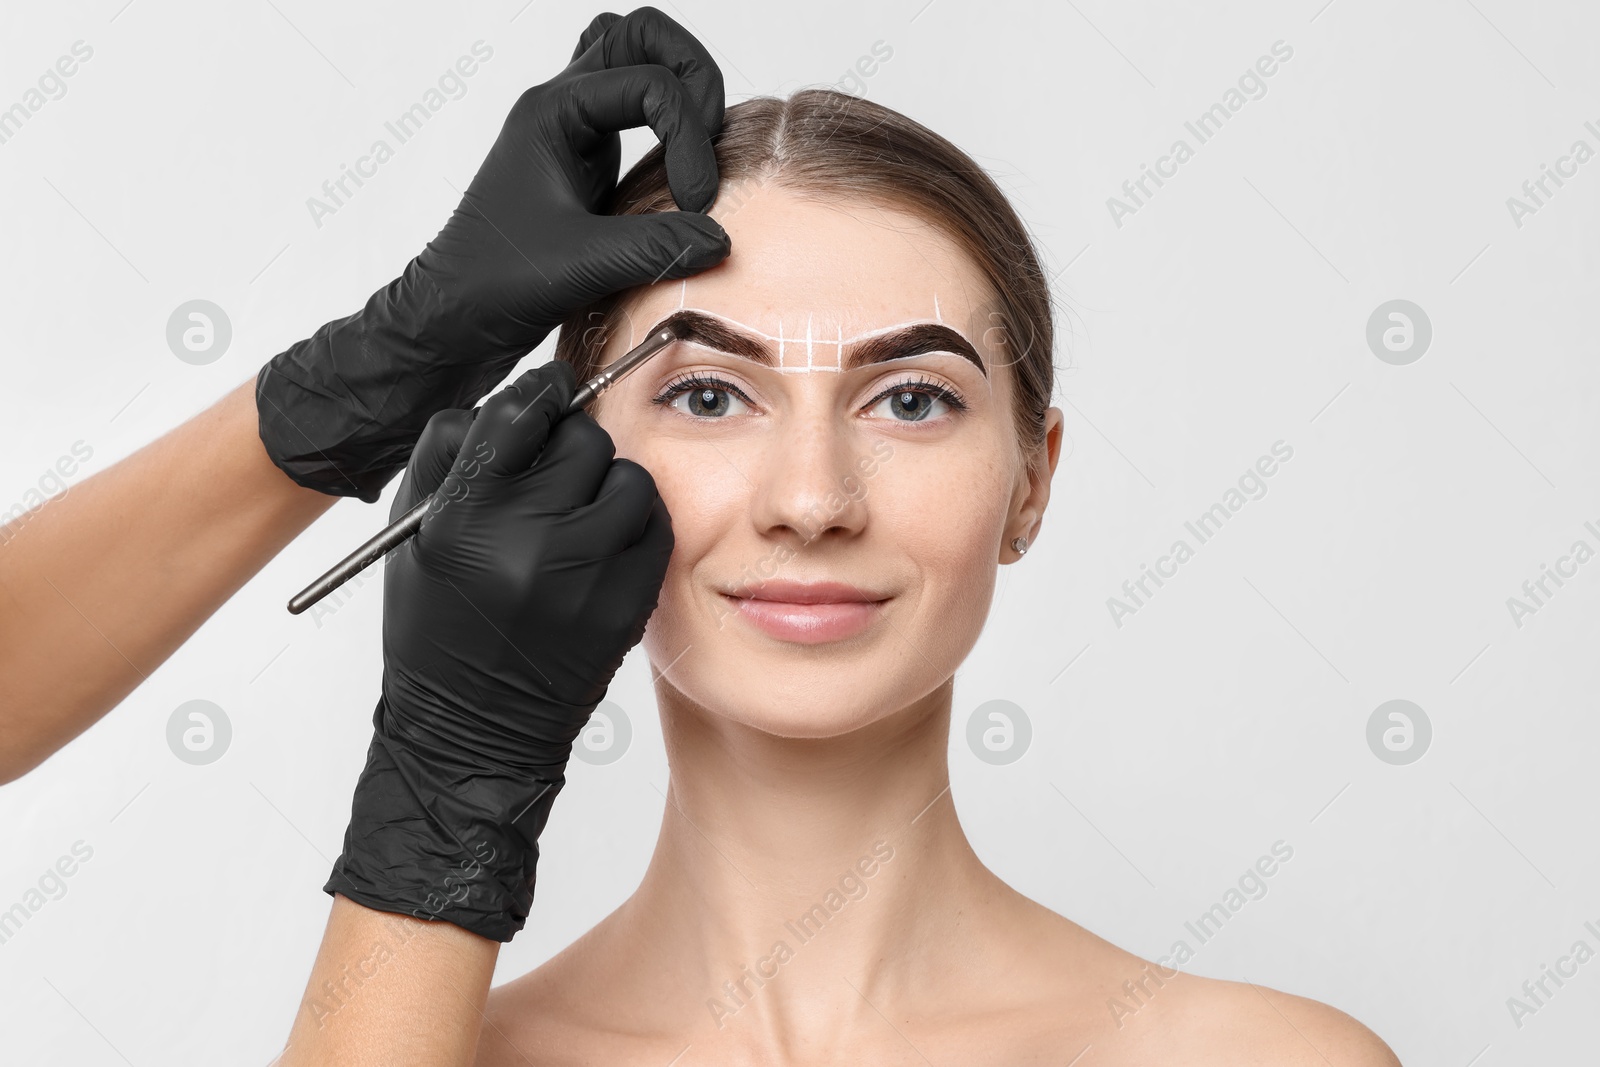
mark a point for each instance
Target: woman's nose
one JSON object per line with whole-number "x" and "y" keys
{"x": 811, "y": 482}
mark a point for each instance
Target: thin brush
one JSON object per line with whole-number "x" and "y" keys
{"x": 408, "y": 524}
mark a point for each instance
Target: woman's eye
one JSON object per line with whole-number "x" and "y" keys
{"x": 703, "y": 399}
{"x": 916, "y": 402}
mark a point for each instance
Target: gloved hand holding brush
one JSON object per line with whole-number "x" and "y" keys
{"x": 504, "y": 620}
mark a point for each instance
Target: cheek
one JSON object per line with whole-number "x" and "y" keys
{"x": 944, "y": 509}
{"x": 701, "y": 489}
{"x": 705, "y": 496}
{"x": 694, "y": 481}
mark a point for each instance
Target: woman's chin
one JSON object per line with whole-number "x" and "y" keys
{"x": 800, "y": 723}
{"x": 789, "y": 699}
{"x": 782, "y": 703}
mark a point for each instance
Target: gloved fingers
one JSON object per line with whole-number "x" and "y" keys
{"x": 573, "y": 466}
{"x": 597, "y": 26}
{"x": 606, "y": 101}
{"x": 622, "y": 511}
{"x": 655, "y": 545}
{"x": 640, "y": 570}
{"x": 435, "y": 453}
{"x": 514, "y": 425}
{"x": 644, "y": 249}
{"x": 646, "y": 35}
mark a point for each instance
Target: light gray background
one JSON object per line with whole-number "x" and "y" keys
{"x": 1227, "y": 314}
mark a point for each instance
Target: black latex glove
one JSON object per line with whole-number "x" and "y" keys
{"x": 504, "y": 620}
{"x": 341, "y": 410}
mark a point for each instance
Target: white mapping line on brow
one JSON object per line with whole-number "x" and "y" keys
{"x": 838, "y": 345}
{"x": 937, "y": 320}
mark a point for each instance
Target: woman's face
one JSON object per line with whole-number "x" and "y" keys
{"x": 899, "y": 481}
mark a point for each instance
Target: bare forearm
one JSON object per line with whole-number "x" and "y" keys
{"x": 390, "y": 989}
{"x": 98, "y": 587}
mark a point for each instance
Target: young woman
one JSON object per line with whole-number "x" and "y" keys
{"x": 860, "y": 418}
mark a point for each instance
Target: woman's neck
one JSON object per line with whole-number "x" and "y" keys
{"x": 796, "y": 878}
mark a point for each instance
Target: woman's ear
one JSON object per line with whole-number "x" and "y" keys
{"x": 1033, "y": 488}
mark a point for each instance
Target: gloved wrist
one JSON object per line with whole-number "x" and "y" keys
{"x": 444, "y": 837}
{"x": 341, "y": 410}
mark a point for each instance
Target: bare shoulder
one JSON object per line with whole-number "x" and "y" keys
{"x": 535, "y": 1021}
{"x": 509, "y": 1036}
{"x": 1225, "y": 1023}
{"x": 578, "y": 1007}
{"x": 1135, "y": 1011}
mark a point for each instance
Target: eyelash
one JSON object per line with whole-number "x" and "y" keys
{"x": 699, "y": 380}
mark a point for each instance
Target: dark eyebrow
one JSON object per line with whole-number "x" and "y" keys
{"x": 714, "y": 333}
{"x": 916, "y": 340}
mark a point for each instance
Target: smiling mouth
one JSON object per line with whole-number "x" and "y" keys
{"x": 808, "y": 613}
{"x": 824, "y": 592}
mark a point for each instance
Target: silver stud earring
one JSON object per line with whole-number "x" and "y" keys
{"x": 1019, "y": 545}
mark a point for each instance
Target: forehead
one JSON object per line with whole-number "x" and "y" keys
{"x": 846, "y": 265}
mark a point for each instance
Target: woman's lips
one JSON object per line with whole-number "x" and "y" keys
{"x": 813, "y": 621}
